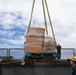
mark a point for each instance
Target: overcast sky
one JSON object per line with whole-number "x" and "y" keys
{"x": 15, "y": 14}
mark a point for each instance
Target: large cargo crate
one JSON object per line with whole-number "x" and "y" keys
{"x": 34, "y": 40}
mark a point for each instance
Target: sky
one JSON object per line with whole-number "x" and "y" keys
{"x": 15, "y": 15}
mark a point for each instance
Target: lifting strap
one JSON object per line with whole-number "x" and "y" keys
{"x": 50, "y": 23}
{"x": 30, "y": 19}
{"x": 45, "y": 17}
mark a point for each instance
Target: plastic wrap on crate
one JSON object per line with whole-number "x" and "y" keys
{"x": 48, "y": 41}
{"x": 34, "y": 40}
{"x": 36, "y": 32}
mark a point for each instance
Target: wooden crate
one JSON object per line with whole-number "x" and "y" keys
{"x": 34, "y": 41}
{"x": 33, "y": 48}
{"x": 49, "y": 49}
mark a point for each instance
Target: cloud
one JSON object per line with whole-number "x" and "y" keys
{"x": 12, "y": 20}
{"x": 16, "y": 5}
{"x": 16, "y": 42}
{"x": 7, "y": 20}
{"x": 5, "y": 33}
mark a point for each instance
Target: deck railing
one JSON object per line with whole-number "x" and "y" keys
{"x": 18, "y": 53}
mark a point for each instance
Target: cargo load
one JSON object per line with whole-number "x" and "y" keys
{"x": 38, "y": 46}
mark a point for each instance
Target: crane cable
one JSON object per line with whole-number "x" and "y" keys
{"x": 50, "y": 23}
{"x": 30, "y": 19}
{"x": 44, "y": 17}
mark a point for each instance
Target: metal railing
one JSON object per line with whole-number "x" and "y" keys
{"x": 68, "y": 52}
{"x": 18, "y": 53}
{"x": 73, "y": 49}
